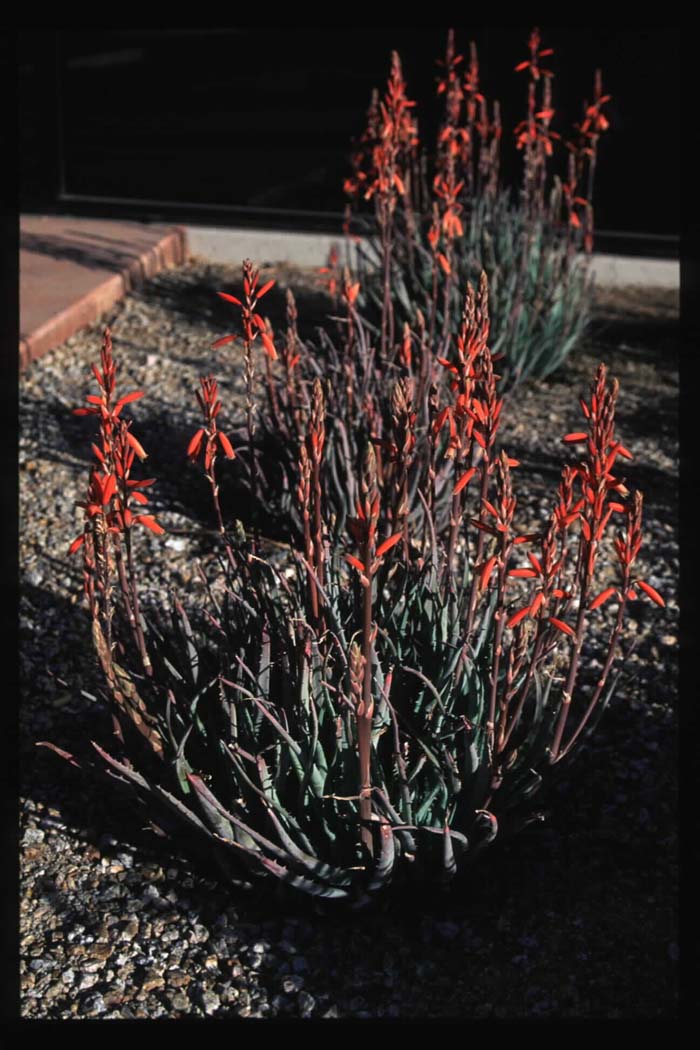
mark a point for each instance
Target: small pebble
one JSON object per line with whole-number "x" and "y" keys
{"x": 292, "y": 984}
{"x": 307, "y": 1004}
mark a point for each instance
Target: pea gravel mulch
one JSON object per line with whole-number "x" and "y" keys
{"x": 575, "y": 918}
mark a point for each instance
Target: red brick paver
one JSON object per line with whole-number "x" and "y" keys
{"x": 71, "y": 271}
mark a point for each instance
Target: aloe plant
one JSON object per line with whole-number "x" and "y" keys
{"x": 435, "y": 223}
{"x": 381, "y": 701}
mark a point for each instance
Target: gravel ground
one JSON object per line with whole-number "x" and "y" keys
{"x": 574, "y": 918}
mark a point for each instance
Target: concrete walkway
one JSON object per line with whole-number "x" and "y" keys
{"x": 73, "y": 270}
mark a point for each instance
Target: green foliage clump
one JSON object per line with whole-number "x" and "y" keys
{"x": 378, "y": 700}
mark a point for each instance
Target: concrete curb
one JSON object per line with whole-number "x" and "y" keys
{"x": 616, "y": 271}
{"x": 311, "y": 249}
{"x": 231, "y": 246}
{"x": 171, "y": 250}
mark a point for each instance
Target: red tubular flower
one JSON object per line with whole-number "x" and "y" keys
{"x": 332, "y": 268}
{"x": 561, "y": 626}
{"x": 652, "y": 593}
{"x": 603, "y": 597}
{"x": 195, "y": 445}
{"x": 77, "y": 543}
{"x": 350, "y": 290}
{"x": 518, "y": 616}
{"x": 464, "y": 480}
{"x": 226, "y": 445}
{"x": 487, "y": 570}
{"x": 137, "y": 446}
{"x": 355, "y": 562}
{"x": 150, "y": 523}
{"x": 268, "y": 345}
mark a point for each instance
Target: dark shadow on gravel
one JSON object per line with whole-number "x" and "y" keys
{"x": 180, "y": 485}
{"x": 648, "y": 340}
{"x": 194, "y": 298}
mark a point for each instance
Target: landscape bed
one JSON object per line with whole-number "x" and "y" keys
{"x": 575, "y": 918}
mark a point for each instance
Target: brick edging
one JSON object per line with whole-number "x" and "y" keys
{"x": 171, "y": 250}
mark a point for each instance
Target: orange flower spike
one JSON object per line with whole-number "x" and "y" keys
{"x": 251, "y": 322}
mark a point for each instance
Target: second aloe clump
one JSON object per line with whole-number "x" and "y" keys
{"x": 430, "y": 223}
